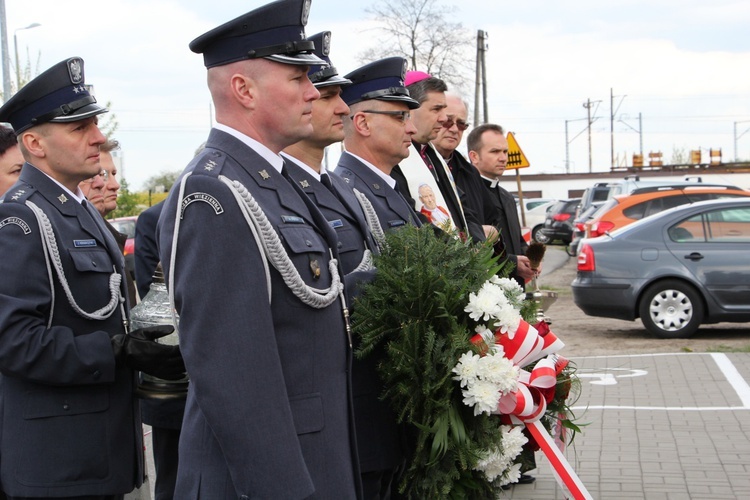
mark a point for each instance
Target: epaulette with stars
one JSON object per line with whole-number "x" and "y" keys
{"x": 19, "y": 194}
{"x": 209, "y": 162}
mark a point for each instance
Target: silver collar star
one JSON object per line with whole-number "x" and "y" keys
{"x": 62, "y": 198}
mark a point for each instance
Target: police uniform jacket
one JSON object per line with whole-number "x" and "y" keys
{"x": 70, "y": 425}
{"x": 391, "y": 208}
{"x": 341, "y": 210}
{"x": 507, "y": 223}
{"x": 268, "y": 411}
{"x": 378, "y": 439}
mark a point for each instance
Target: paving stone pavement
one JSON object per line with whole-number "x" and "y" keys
{"x": 659, "y": 426}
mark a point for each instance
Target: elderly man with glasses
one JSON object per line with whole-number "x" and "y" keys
{"x": 467, "y": 178}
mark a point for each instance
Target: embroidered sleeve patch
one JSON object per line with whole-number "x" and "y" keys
{"x": 205, "y": 198}
{"x": 16, "y": 221}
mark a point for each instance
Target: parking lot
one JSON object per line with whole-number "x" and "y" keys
{"x": 663, "y": 419}
{"x": 658, "y": 426}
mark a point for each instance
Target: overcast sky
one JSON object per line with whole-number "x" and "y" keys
{"x": 684, "y": 65}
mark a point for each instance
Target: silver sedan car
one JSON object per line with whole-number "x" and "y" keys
{"x": 674, "y": 270}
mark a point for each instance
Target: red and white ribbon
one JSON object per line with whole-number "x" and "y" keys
{"x": 528, "y": 403}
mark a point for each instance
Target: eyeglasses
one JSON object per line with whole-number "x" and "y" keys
{"x": 103, "y": 174}
{"x": 460, "y": 124}
{"x": 401, "y": 116}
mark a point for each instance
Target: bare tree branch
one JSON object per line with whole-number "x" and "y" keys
{"x": 421, "y": 32}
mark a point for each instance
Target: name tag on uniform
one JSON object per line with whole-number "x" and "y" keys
{"x": 396, "y": 223}
{"x": 292, "y": 219}
{"x": 84, "y": 243}
{"x": 335, "y": 223}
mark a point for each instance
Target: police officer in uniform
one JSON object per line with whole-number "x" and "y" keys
{"x": 70, "y": 425}
{"x": 377, "y": 137}
{"x": 251, "y": 266}
{"x": 378, "y": 442}
{"x": 304, "y": 163}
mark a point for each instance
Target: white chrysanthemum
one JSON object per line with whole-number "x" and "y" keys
{"x": 513, "y": 441}
{"x": 466, "y": 368}
{"x": 511, "y": 475}
{"x": 499, "y": 370}
{"x": 483, "y": 396}
{"x": 493, "y": 464}
{"x": 507, "y": 319}
{"x": 513, "y": 291}
{"x": 485, "y": 304}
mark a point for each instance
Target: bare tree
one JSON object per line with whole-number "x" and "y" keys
{"x": 422, "y": 32}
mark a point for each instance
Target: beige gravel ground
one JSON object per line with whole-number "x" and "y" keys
{"x": 589, "y": 336}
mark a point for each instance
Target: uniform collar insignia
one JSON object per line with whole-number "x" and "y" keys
{"x": 62, "y": 198}
{"x": 376, "y": 186}
{"x": 304, "y": 184}
{"x": 210, "y": 165}
{"x": 264, "y": 175}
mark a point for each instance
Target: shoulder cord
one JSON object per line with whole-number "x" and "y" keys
{"x": 51, "y": 253}
{"x": 372, "y": 218}
{"x": 366, "y": 264}
{"x": 274, "y": 250}
{"x": 266, "y": 239}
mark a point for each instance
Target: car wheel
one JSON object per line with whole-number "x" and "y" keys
{"x": 538, "y": 235}
{"x": 671, "y": 309}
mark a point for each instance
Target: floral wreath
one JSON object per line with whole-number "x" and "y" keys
{"x": 460, "y": 365}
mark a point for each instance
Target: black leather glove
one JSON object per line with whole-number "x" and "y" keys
{"x": 137, "y": 350}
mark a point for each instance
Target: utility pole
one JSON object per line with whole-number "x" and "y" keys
{"x": 480, "y": 84}
{"x": 612, "y": 113}
{"x": 587, "y": 105}
{"x": 7, "y": 91}
{"x": 736, "y": 158}
{"x": 568, "y": 141}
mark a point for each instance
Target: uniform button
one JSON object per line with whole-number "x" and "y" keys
{"x": 340, "y": 245}
{"x": 66, "y": 407}
{"x": 308, "y": 243}
{"x": 93, "y": 263}
{"x": 97, "y": 375}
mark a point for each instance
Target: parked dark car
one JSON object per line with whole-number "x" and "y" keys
{"x": 579, "y": 228}
{"x": 559, "y": 223}
{"x": 676, "y": 270}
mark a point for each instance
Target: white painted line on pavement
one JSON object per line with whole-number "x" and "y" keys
{"x": 730, "y": 372}
{"x": 733, "y": 376}
{"x": 662, "y": 408}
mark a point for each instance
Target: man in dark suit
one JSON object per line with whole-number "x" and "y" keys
{"x": 424, "y": 165}
{"x": 251, "y": 267}
{"x": 71, "y": 427}
{"x": 377, "y": 137}
{"x": 488, "y": 152}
